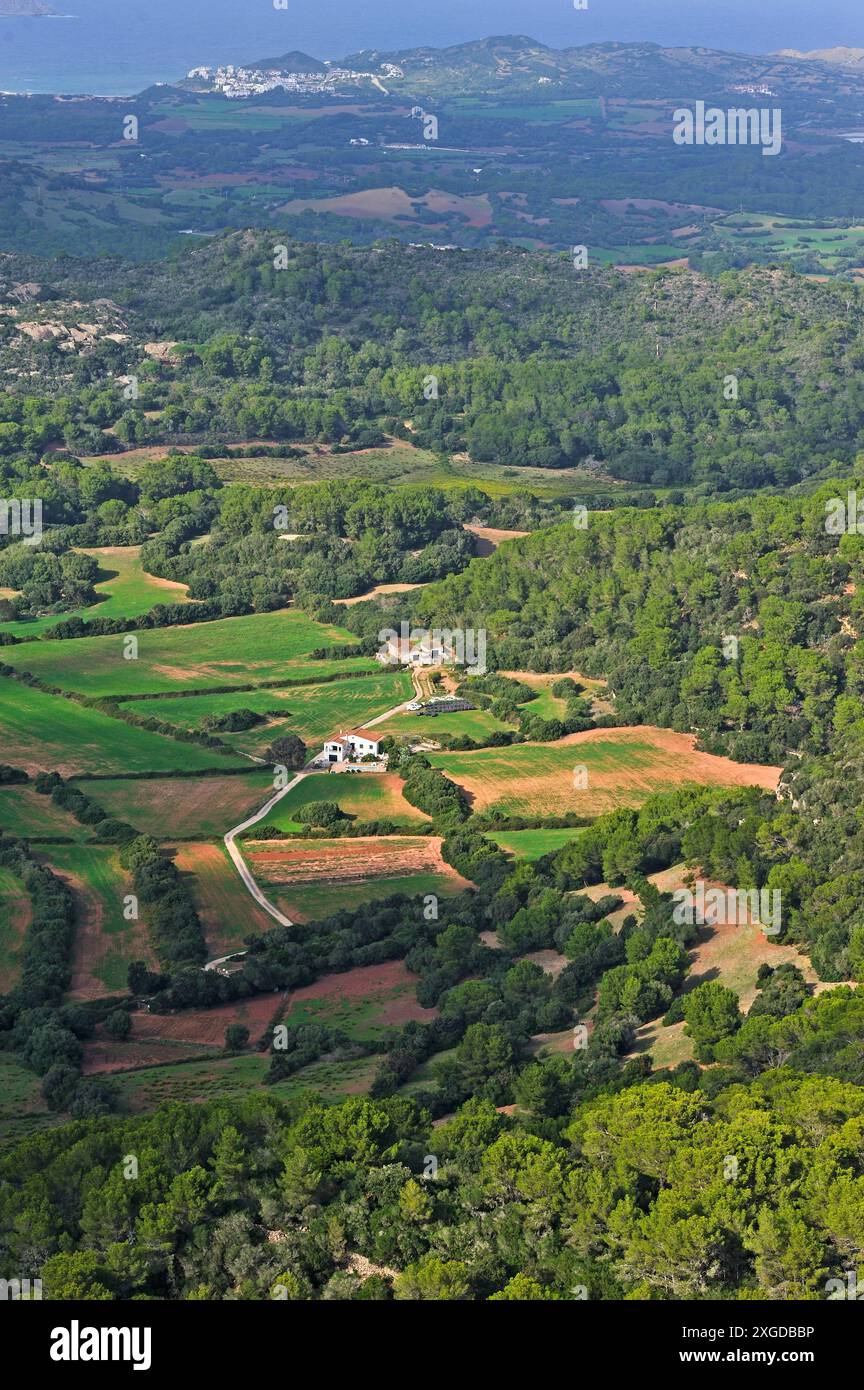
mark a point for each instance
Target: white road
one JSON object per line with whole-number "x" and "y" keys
{"x": 234, "y": 849}
{"x": 240, "y": 863}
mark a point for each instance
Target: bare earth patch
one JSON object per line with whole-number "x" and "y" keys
{"x": 389, "y": 987}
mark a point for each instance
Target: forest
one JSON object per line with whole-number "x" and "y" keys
{"x": 719, "y": 382}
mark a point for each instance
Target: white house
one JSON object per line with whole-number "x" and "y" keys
{"x": 429, "y": 651}
{"x": 353, "y": 744}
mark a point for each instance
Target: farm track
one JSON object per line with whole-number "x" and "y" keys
{"x": 236, "y": 854}
{"x": 240, "y": 863}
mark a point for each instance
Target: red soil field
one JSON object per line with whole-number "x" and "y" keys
{"x": 374, "y": 983}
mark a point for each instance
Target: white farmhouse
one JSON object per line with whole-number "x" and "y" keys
{"x": 351, "y": 745}
{"x": 429, "y": 651}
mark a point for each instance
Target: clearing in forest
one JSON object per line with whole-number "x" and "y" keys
{"x": 623, "y": 767}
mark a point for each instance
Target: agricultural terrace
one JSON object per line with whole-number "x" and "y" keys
{"x": 105, "y": 942}
{"x": 125, "y": 590}
{"x": 41, "y": 733}
{"x": 363, "y": 795}
{"x": 228, "y": 912}
{"x": 25, "y": 813}
{"x": 175, "y": 807}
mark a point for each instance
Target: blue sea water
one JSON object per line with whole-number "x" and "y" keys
{"x": 121, "y": 46}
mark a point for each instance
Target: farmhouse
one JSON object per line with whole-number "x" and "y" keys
{"x": 353, "y": 744}
{"x": 430, "y": 650}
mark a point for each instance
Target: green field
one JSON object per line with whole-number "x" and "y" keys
{"x": 231, "y": 651}
{"x": 783, "y": 237}
{"x": 472, "y": 723}
{"x": 538, "y": 779}
{"x": 314, "y": 901}
{"x": 14, "y": 919}
{"x": 312, "y": 711}
{"x": 365, "y": 796}
{"x": 228, "y": 912}
{"x": 105, "y": 942}
{"x": 22, "y": 1109}
{"x": 533, "y": 844}
{"x": 46, "y": 733}
{"x": 24, "y": 812}
{"x": 125, "y": 590}
{"x": 236, "y": 1077}
{"x": 400, "y": 465}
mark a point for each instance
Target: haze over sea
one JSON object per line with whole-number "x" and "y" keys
{"x": 122, "y": 46}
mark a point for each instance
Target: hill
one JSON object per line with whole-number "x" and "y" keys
{"x": 738, "y": 381}
{"x": 517, "y": 62}
{"x": 295, "y": 61}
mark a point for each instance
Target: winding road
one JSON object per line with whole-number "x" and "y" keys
{"x": 236, "y": 854}
{"x": 240, "y": 863}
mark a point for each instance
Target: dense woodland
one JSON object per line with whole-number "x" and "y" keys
{"x": 737, "y": 380}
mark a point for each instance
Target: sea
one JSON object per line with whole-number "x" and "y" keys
{"x": 119, "y": 47}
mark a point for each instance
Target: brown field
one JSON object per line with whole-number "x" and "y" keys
{"x": 387, "y": 989}
{"x": 631, "y": 903}
{"x": 728, "y": 953}
{"x": 351, "y": 860}
{"x": 227, "y": 911}
{"x": 488, "y": 538}
{"x": 317, "y": 878}
{"x": 393, "y": 204}
{"x": 101, "y": 1055}
{"x": 172, "y": 806}
{"x": 377, "y": 592}
{"x": 207, "y": 1026}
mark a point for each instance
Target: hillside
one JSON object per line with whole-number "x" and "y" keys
{"x": 737, "y": 381}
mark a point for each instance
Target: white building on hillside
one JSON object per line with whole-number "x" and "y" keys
{"x": 347, "y": 746}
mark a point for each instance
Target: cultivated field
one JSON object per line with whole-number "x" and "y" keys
{"x": 22, "y": 1108}
{"x": 473, "y": 723}
{"x": 42, "y": 733}
{"x": 228, "y": 912}
{"x": 363, "y": 795}
{"x": 232, "y": 651}
{"x": 15, "y": 915}
{"x": 311, "y": 879}
{"x": 363, "y": 1003}
{"x": 24, "y": 812}
{"x": 533, "y": 844}
{"x": 312, "y": 711}
{"x": 105, "y": 942}
{"x": 624, "y": 767}
{"x": 212, "y": 1077}
{"x": 159, "y": 1038}
{"x": 181, "y": 807}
